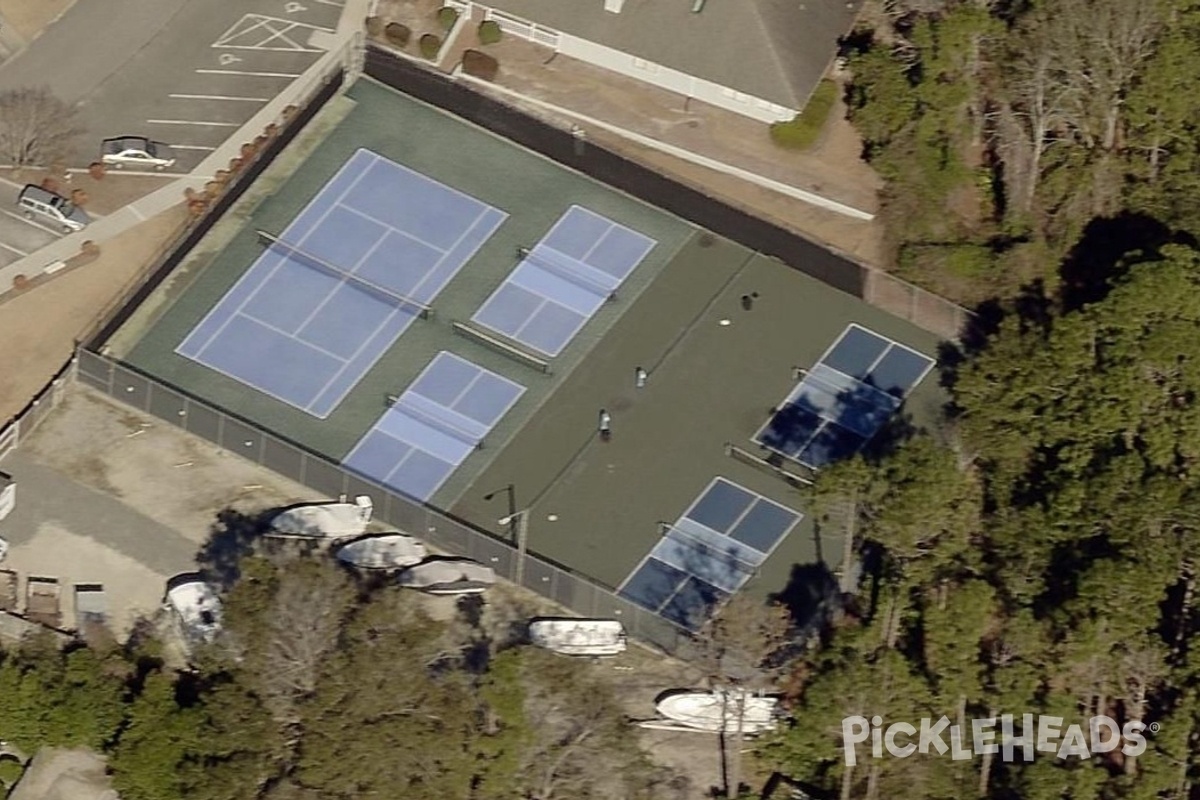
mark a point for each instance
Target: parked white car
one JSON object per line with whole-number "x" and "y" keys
{"x": 136, "y": 151}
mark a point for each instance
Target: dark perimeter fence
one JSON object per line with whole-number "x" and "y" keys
{"x": 874, "y": 286}
{"x": 576, "y": 592}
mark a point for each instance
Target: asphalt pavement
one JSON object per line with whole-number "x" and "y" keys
{"x": 20, "y": 236}
{"x": 186, "y": 73}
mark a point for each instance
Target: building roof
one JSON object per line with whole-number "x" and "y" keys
{"x": 776, "y": 50}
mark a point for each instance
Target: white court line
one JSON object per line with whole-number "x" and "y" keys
{"x": 218, "y": 97}
{"x": 251, "y": 74}
{"x": 192, "y": 147}
{"x": 194, "y": 122}
{"x": 21, "y": 253}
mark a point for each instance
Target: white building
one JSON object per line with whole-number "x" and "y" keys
{"x": 759, "y": 58}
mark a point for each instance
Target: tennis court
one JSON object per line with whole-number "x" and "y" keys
{"x": 343, "y": 281}
{"x": 561, "y": 283}
{"x": 709, "y": 553}
{"x": 844, "y": 399}
{"x": 432, "y": 428}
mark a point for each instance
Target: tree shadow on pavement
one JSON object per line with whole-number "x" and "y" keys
{"x": 231, "y": 538}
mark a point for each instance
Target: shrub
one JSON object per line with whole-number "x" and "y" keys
{"x": 430, "y": 45}
{"x": 79, "y": 197}
{"x": 481, "y": 65}
{"x": 50, "y": 184}
{"x": 802, "y": 132}
{"x": 20, "y": 283}
{"x": 10, "y": 771}
{"x": 375, "y": 26}
{"x": 489, "y": 32}
{"x": 397, "y": 34}
{"x": 447, "y": 16}
{"x": 96, "y": 170}
{"x": 970, "y": 261}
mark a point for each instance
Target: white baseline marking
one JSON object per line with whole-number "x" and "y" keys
{"x": 193, "y": 147}
{"x": 193, "y": 122}
{"x": 218, "y": 97}
{"x": 248, "y": 73}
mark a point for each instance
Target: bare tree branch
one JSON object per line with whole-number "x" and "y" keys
{"x": 36, "y": 128}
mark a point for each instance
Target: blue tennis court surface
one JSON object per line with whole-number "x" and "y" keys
{"x": 563, "y": 280}
{"x": 709, "y": 553}
{"x": 305, "y": 335}
{"x": 845, "y": 399}
{"x": 443, "y": 415}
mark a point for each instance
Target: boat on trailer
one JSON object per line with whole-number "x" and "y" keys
{"x": 716, "y": 711}
{"x": 382, "y": 551}
{"x": 578, "y": 637}
{"x": 324, "y": 520}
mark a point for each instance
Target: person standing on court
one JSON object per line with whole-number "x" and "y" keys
{"x": 639, "y": 378}
{"x": 605, "y": 425}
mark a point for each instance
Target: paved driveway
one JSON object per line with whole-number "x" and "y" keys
{"x": 184, "y": 72}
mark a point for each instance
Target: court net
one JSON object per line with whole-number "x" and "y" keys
{"x": 377, "y": 291}
{"x": 491, "y": 342}
{"x": 727, "y": 556}
{"x": 437, "y": 423}
{"x": 567, "y": 269}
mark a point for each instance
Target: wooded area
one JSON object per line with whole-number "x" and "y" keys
{"x": 1013, "y": 133}
{"x": 322, "y": 688}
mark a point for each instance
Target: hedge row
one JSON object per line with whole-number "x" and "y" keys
{"x": 802, "y": 132}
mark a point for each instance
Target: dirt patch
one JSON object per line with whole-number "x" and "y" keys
{"x": 30, "y": 17}
{"x": 419, "y": 16}
{"x": 832, "y": 168}
{"x": 39, "y": 327}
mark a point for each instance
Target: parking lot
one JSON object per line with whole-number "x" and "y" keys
{"x": 204, "y": 76}
{"x": 20, "y": 236}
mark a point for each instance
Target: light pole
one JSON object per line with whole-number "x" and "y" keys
{"x": 517, "y": 523}
{"x": 519, "y": 520}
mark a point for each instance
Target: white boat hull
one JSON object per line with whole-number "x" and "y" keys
{"x": 717, "y": 711}
{"x": 384, "y": 552}
{"x": 579, "y": 637}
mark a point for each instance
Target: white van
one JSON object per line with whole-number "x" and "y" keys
{"x": 35, "y": 201}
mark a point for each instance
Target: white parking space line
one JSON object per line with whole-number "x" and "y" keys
{"x": 218, "y": 97}
{"x": 192, "y": 147}
{"x": 194, "y": 122}
{"x": 28, "y": 221}
{"x": 260, "y": 32}
{"x": 21, "y": 253}
{"x": 247, "y": 73}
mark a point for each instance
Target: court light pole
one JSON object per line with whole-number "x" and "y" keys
{"x": 518, "y": 529}
{"x": 519, "y": 521}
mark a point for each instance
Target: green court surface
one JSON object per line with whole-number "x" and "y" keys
{"x": 532, "y": 190}
{"x": 716, "y": 369}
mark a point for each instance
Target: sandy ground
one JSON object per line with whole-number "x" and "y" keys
{"x": 30, "y": 17}
{"x": 39, "y": 327}
{"x": 832, "y": 168}
{"x": 106, "y": 495}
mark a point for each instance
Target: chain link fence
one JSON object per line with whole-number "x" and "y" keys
{"x": 922, "y": 308}
{"x": 576, "y": 592}
{"x": 38, "y": 409}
